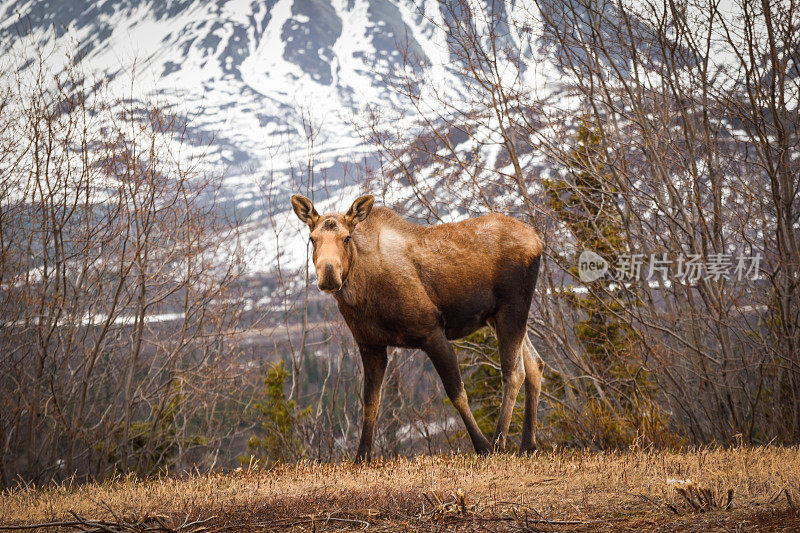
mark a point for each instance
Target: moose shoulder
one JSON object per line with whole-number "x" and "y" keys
{"x": 401, "y": 284}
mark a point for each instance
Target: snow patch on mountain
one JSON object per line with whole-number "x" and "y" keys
{"x": 259, "y": 78}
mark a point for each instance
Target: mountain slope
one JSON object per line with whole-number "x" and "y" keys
{"x": 259, "y": 78}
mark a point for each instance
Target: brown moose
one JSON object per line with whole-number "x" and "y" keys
{"x": 401, "y": 284}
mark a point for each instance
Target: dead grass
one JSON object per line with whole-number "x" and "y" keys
{"x": 582, "y": 491}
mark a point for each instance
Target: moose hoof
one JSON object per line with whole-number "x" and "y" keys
{"x": 482, "y": 447}
{"x": 362, "y": 458}
{"x": 527, "y": 450}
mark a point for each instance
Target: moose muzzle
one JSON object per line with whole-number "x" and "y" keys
{"x": 329, "y": 276}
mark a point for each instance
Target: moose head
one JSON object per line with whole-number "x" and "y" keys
{"x": 331, "y": 236}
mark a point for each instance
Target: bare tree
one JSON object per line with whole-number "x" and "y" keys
{"x": 117, "y": 284}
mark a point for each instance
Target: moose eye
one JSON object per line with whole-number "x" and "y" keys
{"x": 312, "y": 241}
{"x": 347, "y": 239}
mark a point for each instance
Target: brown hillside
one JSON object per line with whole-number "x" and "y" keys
{"x": 581, "y": 491}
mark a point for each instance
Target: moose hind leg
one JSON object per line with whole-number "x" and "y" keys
{"x": 533, "y": 386}
{"x": 510, "y": 336}
{"x": 445, "y": 362}
{"x": 374, "y": 359}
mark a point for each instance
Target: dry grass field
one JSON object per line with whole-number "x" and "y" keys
{"x": 742, "y": 489}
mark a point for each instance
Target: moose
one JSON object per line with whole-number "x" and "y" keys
{"x": 400, "y": 284}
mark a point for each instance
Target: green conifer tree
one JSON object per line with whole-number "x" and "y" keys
{"x": 617, "y": 398}
{"x": 277, "y": 421}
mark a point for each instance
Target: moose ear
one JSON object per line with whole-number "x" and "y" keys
{"x": 304, "y": 210}
{"x": 359, "y": 210}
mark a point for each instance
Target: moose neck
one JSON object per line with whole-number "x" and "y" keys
{"x": 367, "y": 268}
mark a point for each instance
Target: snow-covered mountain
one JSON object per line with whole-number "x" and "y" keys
{"x": 254, "y": 75}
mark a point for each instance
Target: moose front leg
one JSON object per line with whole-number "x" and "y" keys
{"x": 373, "y": 359}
